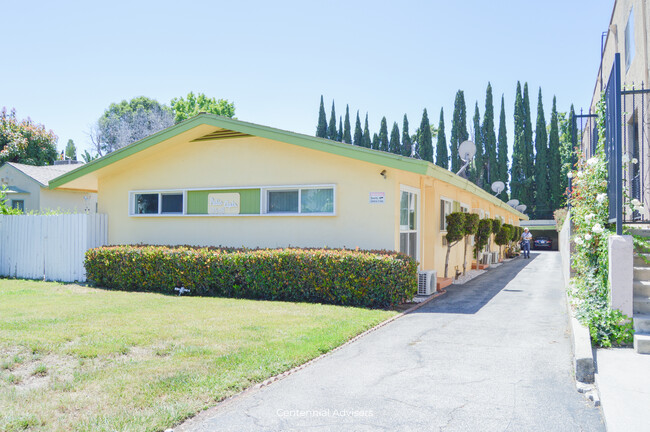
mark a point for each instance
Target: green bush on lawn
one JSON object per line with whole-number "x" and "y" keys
{"x": 375, "y": 279}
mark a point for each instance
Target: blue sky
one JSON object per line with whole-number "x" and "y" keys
{"x": 65, "y": 62}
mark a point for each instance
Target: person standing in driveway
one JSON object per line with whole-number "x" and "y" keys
{"x": 526, "y": 237}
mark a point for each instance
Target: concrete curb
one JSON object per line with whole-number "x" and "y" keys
{"x": 203, "y": 415}
{"x": 583, "y": 356}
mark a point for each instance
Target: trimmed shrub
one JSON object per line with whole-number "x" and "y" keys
{"x": 496, "y": 225}
{"x": 482, "y": 235}
{"x": 503, "y": 236}
{"x": 471, "y": 227}
{"x": 455, "y": 233}
{"x": 375, "y": 279}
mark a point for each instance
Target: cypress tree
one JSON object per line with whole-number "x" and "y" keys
{"x": 528, "y": 195}
{"x": 502, "y": 155}
{"x": 567, "y": 135}
{"x": 366, "y": 134}
{"x": 442, "y": 160}
{"x": 477, "y": 173}
{"x": 347, "y": 137}
{"x": 517, "y": 170}
{"x": 340, "y": 135}
{"x": 458, "y": 129}
{"x": 542, "y": 205}
{"x": 331, "y": 129}
{"x": 425, "y": 144}
{"x": 489, "y": 142}
{"x": 358, "y": 134}
{"x": 394, "y": 146}
{"x": 375, "y": 142}
{"x": 383, "y": 135}
{"x": 554, "y": 161}
{"x": 407, "y": 144}
{"x": 321, "y": 128}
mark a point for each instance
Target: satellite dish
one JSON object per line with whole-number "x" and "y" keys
{"x": 498, "y": 187}
{"x": 513, "y": 203}
{"x": 467, "y": 150}
{"x": 521, "y": 207}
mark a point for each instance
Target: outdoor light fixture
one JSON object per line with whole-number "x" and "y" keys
{"x": 383, "y": 173}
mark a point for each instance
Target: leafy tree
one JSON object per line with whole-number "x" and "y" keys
{"x": 407, "y": 143}
{"x": 442, "y": 159}
{"x": 470, "y": 229}
{"x": 71, "y": 150}
{"x": 503, "y": 236}
{"x": 489, "y": 142}
{"x": 517, "y": 171}
{"x": 477, "y": 174}
{"x": 394, "y": 146}
{"x": 192, "y": 105}
{"x": 358, "y": 134}
{"x": 425, "y": 143}
{"x": 366, "y": 134}
{"x": 554, "y": 160}
{"x": 127, "y": 122}
{"x": 482, "y": 235}
{"x": 458, "y": 129}
{"x": 321, "y": 128}
{"x": 25, "y": 141}
{"x": 331, "y": 128}
{"x": 502, "y": 156}
{"x": 383, "y": 135}
{"x": 455, "y": 233}
{"x": 542, "y": 206}
{"x": 496, "y": 226}
{"x": 347, "y": 137}
{"x": 375, "y": 142}
{"x": 87, "y": 157}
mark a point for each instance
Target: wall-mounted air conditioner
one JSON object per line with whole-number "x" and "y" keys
{"x": 486, "y": 258}
{"x": 427, "y": 282}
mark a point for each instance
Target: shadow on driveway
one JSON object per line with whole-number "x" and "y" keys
{"x": 470, "y": 297}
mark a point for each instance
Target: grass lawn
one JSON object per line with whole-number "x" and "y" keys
{"x": 85, "y": 359}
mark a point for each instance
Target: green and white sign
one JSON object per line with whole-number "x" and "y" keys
{"x": 223, "y": 203}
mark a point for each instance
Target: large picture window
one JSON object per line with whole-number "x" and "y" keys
{"x": 311, "y": 200}
{"x": 408, "y": 223}
{"x": 161, "y": 203}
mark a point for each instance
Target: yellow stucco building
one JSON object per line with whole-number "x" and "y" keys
{"x": 216, "y": 181}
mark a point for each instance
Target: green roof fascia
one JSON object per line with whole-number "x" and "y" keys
{"x": 377, "y": 157}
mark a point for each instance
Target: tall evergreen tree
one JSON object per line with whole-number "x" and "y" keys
{"x": 425, "y": 143}
{"x": 502, "y": 155}
{"x": 375, "y": 142}
{"x": 458, "y": 129}
{"x": 554, "y": 160}
{"x": 542, "y": 204}
{"x": 517, "y": 170}
{"x": 489, "y": 142}
{"x": 383, "y": 135}
{"x": 321, "y": 128}
{"x": 528, "y": 195}
{"x": 477, "y": 173}
{"x": 366, "y": 134}
{"x": 394, "y": 145}
{"x": 347, "y": 136}
{"x": 358, "y": 134}
{"x": 442, "y": 159}
{"x": 407, "y": 144}
{"x": 331, "y": 129}
{"x": 340, "y": 136}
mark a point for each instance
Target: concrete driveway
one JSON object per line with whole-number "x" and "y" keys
{"x": 492, "y": 355}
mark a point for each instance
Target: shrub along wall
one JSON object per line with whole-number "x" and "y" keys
{"x": 376, "y": 279}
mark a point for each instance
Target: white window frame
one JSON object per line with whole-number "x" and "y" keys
{"x": 160, "y": 192}
{"x": 418, "y": 205}
{"x": 443, "y": 222}
{"x": 464, "y": 208}
{"x": 264, "y": 196}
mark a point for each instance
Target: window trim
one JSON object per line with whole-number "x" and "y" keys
{"x": 443, "y": 222}
{"x": 263, "y": 201}
{"x": 416, "y": 192}
{"x": 16, "y": 201}
{"x": 464, "y": 207}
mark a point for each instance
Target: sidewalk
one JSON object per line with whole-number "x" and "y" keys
{"x": 491, "y": 355}
{"x": 623, "y": 380}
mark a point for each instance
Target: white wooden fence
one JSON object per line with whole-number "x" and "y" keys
{"x": 49, "y": 247}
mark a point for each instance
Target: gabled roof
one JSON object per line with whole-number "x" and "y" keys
{"x": 43, "y": 174}
{"x": 227, "y": 128}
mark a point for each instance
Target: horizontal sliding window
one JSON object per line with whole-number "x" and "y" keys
{"x": 152, "y": 203}
{"x": 300, "y": 201}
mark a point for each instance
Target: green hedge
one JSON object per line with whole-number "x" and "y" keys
{"x": 375, "y": 279}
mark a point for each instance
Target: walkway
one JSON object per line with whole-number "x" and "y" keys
{"x": 492, "y": 355}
